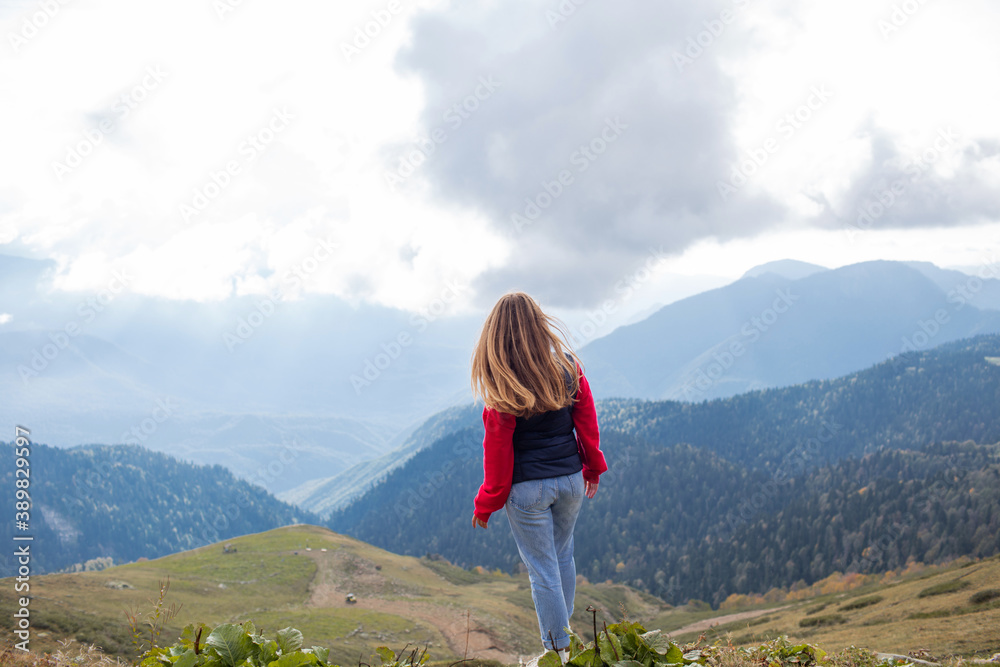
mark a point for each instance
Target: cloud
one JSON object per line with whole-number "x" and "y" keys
{"x": 640, "y": 138}
{"x": 547, "y": 145}
{"x": 947, "y": 181}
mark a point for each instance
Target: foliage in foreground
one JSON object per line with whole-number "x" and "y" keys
{"x": 232, "y": 645}
{"x": 629, "y": 644}
{"x": 623, "y": 644}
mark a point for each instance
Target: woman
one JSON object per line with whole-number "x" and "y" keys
{"x": 535, "y": 397}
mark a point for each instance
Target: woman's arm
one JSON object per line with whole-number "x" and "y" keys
{"x": 588, "y": 436}
{"x": 498, "y": 463}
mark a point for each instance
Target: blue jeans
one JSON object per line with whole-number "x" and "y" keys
{"x": 542, "y": 514}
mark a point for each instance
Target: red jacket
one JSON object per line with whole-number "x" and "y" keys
{"x": 498, "y": 450}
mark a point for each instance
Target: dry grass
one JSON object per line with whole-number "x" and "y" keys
{"x": 947, "y": 623}
{"x": 71, "y": 654}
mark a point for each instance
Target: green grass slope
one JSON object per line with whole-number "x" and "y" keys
{"x": 300, "y": 576}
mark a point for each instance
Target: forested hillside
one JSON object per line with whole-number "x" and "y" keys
{"x": 682, "y": 523}
{"x": 124, "y": 502}
{"x": 745, "y": 494}
{"x": 947, "y": 393}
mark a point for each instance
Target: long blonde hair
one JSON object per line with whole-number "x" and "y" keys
{"x": 519, "y": 363}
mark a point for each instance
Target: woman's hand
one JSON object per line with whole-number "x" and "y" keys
{"x": 590, "y": 488}
{"x": 477, "y": 522}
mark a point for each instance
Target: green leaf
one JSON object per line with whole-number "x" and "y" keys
{"x": 189, "y": 633}
{"x": 550, "y": 659}
{"x": 584, "y": 658}
{"x": 607, "y": 649}
{"x": 626, "y": 663}
{"x": 386, "y": 654}
{"x": 294, "y": 659}
{"x": 575, "y": 646}
{"x": 268, "y": 652}
{"x": 322, "y": 653}
{"x": 631, "y": 643}
{"x": 674, "y": 654}
{"x": 655, "y": 640}
{"x": 691, "y": 656}
{"x": 188, "y": 659}
{"x": 151, "y": 661}
{"x": 619, "y": 650}
{"x": 231, "y": 643}
{"x": 289, "y": 640}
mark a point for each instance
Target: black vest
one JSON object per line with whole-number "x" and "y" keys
{"x": 545, "y": 445}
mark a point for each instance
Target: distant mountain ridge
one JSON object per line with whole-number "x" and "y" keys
{"x": 86, "y": 367}
{"x": 285, "y": 391}
{"x": 772, "y": 331}
{"x": 326, "y": 495}
{"x": 791, "y": 269}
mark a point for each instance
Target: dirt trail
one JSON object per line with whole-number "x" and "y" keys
{"x": 698, "y": 626}
{"x": 330, "y": 587}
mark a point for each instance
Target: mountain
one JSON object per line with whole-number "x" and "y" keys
{"x": 770, "y": 331}
{"x": 980, "y": 287}
{"x": 792, "y": 269}
{"x": 695, "y": 490}
{"x": 125, "y": 502}
{"x": 310, "y": 396}
{"x": 324, "y": 496}
{"x": 947, "y": 393}
{"x": 95, "y": 391}
{"x": 320, "y": 383}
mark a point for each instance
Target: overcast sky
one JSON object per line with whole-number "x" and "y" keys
{"x": 211, "y": 145}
